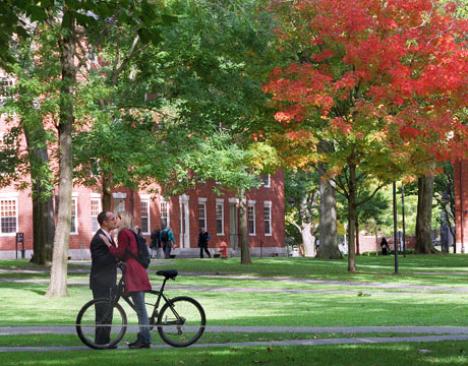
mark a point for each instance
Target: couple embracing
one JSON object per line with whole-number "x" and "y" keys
{"x": 105, "y": 254}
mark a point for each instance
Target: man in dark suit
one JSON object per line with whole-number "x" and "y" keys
{"x": 103, "y": 273}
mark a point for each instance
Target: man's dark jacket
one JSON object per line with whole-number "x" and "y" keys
{"x": 103, "y": 264}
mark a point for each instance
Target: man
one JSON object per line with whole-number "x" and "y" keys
{"x": 103, "y": 273}
{"x": 155, "y": 243}
{"x": 203, "y": 238}
{"x": 167, "y": 240}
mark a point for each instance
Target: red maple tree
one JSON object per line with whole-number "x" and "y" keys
{"x": 382, "y": 80}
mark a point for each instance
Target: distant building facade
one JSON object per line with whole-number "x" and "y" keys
{"x": 185, "y": 214}
{"x": 461, "y": 205}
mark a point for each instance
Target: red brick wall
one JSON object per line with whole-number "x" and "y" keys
{"x": 461, "y": 203}
{"x": 275, "y": 194}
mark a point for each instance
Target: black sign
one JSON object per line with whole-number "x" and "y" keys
{"x": 20, "y": 237}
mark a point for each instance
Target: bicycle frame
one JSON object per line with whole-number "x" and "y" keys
{"x": 160, "y": 294}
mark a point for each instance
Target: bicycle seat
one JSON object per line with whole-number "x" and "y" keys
{"x": 170, "y": 273}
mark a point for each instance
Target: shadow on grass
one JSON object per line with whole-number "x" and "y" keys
{"x": 443, "y": 353}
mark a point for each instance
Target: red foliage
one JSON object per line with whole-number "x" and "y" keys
{"x": 408, "y": 55}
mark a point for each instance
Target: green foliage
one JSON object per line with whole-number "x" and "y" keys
{"x": 218, "y": 158}
{"x": 301, "y": 191}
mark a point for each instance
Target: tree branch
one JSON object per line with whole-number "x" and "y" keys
{"x": 372, "y": 195}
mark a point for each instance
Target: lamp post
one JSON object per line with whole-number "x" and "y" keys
{"x": 395, "y": 227}
{"x": 403, "y": 218}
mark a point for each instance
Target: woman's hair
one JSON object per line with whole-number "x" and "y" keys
{"x": 126, "y": 220}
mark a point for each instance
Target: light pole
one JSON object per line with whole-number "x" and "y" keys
{"x": 403, "y": 218}
{"x": 395, "y": 227}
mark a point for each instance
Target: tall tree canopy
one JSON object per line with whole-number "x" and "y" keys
{"x": 382, "y": 80}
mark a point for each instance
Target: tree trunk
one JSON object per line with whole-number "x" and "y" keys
{"x": 106, "y": 184}
{"x": 352, "y": 216}
{"x": 308, "y": 240}
{"x": 58, "y": 274}
{"x": 43, "y": 230}
{"x": 358, "y": 252}
{"x": 42, "y": 198}
{"x": 424, "y": 215}
{"x": 243, "y": 231}
{"x": 327, "y": 226}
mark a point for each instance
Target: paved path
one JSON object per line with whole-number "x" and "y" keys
{"x": 17, "y": 330}
{"x": 284, "y": 343}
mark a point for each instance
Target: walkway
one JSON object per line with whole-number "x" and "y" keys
{"x": 433, "y": 334}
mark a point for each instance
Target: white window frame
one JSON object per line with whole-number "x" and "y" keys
{"x": 162, "y": 201}
{"x": 266, "y": 183}
{"x": 251, "y": 204}
{"x": 75, "y": 221}
{"x": 219, "y": 203}
{"x": 95, "y": 197}
{"x": 10, "y": 197}
{"x": 268, "y": 204}
{"x": 202, "y": 202}
{"x": 148, "y": 215}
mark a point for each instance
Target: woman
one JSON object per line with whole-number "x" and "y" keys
{"x": 135, "y": 276}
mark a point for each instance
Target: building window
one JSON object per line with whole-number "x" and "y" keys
{"x": 219, "y": 217}
{"x": 266, "y": 180}
{"x": 95, "y": 209}
{"x": 119, "y": 205}
{"x": 8, "y": 215}
{"x": 267, "y": 217}
{"x": 145, "y": 216}
{"x": 251, "y": 217}
{"x": 74, "y": 217}
{"x": 6, "y": 89}
{"x": 202, "y": 224}
{"x": 164, "y": 209}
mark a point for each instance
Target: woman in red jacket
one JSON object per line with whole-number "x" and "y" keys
{"x": 135, "y": 276}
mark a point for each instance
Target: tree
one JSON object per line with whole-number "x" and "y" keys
{"x": 368, "y": 80}
{"x": 302, "y": 190}
{"x": 72, "y": 24}
{"x": 122, "y": 144}
{"x": 232, "y": 167}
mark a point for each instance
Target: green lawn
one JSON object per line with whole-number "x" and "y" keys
{"x": 430, "y": 290}
{"x": 421, "y": 354}
{"x": 269, "y": 292}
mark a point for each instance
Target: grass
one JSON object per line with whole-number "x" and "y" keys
{"x": 271, "y": 291}
{"x": 45, "y": 340}
{"x": 422, "y": 354}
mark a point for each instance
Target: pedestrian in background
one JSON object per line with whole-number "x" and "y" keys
{"x": 203, "y": 239}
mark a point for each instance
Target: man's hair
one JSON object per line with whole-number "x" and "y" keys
{"x": 102, "y": 217}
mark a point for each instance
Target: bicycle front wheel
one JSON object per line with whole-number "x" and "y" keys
{"x": 181, "y": 321}
{"x": 101, "y": 324}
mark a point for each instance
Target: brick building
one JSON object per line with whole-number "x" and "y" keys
{"x": 461, "y": 205}
{"x": 185, "y": 214}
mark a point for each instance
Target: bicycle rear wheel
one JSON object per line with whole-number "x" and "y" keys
{"x": 181, "y": 321}
{"x": 111, "y": 329}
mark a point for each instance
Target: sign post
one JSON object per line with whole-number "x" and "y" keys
{"x": 20, "y": 240}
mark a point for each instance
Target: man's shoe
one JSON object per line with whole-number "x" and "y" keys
{"x": 139, "y": 345}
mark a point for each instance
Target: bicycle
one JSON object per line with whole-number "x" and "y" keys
{"x": 180, "y": 321}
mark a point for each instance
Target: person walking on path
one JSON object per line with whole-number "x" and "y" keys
{"x": 167, "y": 241}
{"x": 135, "y": 276}
{"x": 103, "y": 277}
{"x": 203, "y": 239}
{"x": 155, "y": 243}
{"x": 384, "y": 246}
